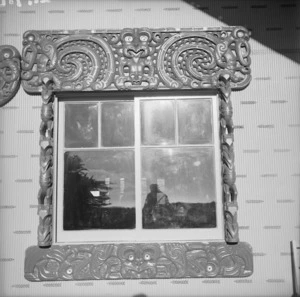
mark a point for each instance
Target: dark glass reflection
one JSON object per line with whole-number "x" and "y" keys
{"x": 117, "y": 121}
{"x": 179, "y": 188}
{"x": 99, "y": 190}
{"x": 81, "y": 125}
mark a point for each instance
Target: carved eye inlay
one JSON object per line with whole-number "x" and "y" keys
{"x": 144, "y": 38}
{"x": 128, "y": 38}
{"x": 131, "y": 257}
{"x": 147, "y": 257}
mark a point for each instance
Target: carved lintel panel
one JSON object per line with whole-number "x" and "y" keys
{"x": 138, "y": 261}
{"x": 136, "y": 59}
{"x": 9, "y": 73}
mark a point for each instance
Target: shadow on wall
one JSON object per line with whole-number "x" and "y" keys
{"x": 272, "y": 23}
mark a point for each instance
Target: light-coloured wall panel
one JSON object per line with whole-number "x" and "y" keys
{"x": 267, "y": 143}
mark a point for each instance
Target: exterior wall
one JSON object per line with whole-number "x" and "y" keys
{"x": 267, "y": 146}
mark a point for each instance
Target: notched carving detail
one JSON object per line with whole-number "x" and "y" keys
{"x": 9, "y": 73}
{"x": 46, "y": 165}
{"x": 138, "y": 58}
{"x": 138, "y": 261}
{"x": 227, "y": 155}
{"x": 197, "y": 59}
{"x": 75, "y": 62}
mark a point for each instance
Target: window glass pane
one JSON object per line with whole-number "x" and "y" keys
{"x": 81, "y": 125}
{"x": 117, "y": 124}
{"x": 99, "y": 190}
{"x": 178, "y": 187}
{"x": 195, "y": 121}
{"x": 157, "y": 122}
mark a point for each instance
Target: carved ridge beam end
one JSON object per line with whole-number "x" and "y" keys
{"x": 138, "y": 261}
{"x": 10, "y": 72}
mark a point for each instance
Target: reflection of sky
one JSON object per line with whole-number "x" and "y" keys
{"x": 183, "y": 174}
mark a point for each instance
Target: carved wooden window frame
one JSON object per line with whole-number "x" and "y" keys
{"x": 135, "y": 60}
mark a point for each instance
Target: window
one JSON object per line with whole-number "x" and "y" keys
{"x": 139, "y": 168}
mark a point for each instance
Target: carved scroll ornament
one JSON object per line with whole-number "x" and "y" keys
{"x": 9, "y": 73}
{"x": 138, "y": 261}
{"x": 136, "y": 59}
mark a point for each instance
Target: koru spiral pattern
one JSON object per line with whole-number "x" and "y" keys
{"x": 138, "y": 58}
{"x": 138, "y": 261}
{"x": 10, "y": 71}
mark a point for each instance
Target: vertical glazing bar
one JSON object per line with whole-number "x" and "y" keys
{"x": 138, "y": 177}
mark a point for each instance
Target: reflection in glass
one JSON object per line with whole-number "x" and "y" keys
{"x": 178, "y": 187}
{"x": 157, "y": 122}
{"x": 195, "y": 121}
{"x": 99, "y": 190}
{"x": 117, "y": 124}
{"x": 81, "y": 125}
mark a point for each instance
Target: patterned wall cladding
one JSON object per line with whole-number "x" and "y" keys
{"x": 267, "y": 146}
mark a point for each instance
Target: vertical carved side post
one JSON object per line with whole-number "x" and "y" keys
{"x": 46, "y": 166}
{"x": 228, "y": 168}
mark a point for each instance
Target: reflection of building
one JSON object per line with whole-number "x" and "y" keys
{"x": 99, "y": 196}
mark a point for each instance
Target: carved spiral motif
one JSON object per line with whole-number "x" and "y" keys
{"x": 188, "y": 60}
{"x": 84, "y": 63}
{"x": 137, "y": 261}
{"x": 73, "y": 62}
{"x": 9, "y": 73}
{"x": 138, "y": 58}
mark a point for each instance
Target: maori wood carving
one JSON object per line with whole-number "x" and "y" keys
{"x": 46, "y": 166}
{"x": 10, "y": 72}
{"x": 131, "y": 59}
{"x": 138, "y": 261}
{"x": 136, "y": 59}
{"x": 227, "y": 157}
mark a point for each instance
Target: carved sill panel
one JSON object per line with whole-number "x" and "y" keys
{"x": 130, "y": 59}
{"x": 10, "y": 72}
{"x": 138, "y": 261}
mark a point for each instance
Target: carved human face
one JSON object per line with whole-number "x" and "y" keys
{"x": 135, "y": 42}
{"x": 139, "y": 261}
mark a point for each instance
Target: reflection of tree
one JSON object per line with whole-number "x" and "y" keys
{"x": 117, "y": 124}
{"x": 195, "y": 122}
{"x": 77, "y": 187}
{"x": 83, "y": 210}
{"x": 81, "y": 125}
